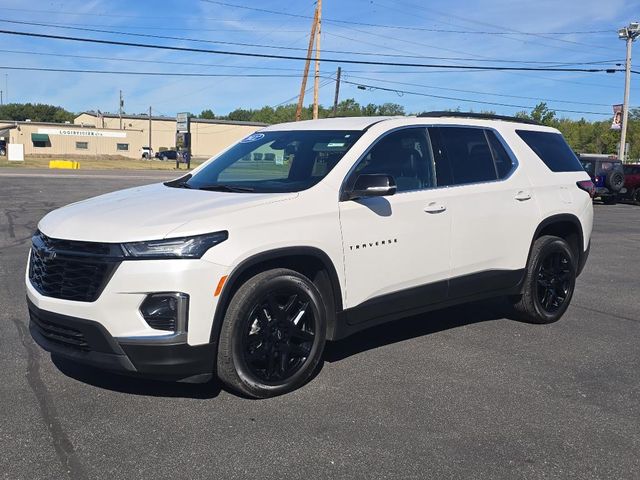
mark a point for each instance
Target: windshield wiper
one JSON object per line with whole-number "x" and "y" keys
{"x": 180, "y": 182}
{"x": 221, "y": 187}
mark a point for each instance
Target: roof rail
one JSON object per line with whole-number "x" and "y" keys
{"x": 483, "y": 116}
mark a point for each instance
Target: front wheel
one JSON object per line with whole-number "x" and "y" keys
{"x": 549, "y": 282}
{"x": 273, "y": 334}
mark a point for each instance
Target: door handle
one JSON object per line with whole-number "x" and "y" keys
{"x": 522, "y": 195}
{"x": 435, "y": 207}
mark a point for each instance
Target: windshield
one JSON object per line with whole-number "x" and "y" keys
{"x": 288, "y": 161}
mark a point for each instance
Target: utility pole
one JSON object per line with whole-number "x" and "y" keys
{"x": 305, "y": 75}
{"x": 120, "y": 109}
{"x": 335, "y": 97}
{"x": 1, "y": 103}
{"x": 316, "y": 82}
{"x": 629, "y": 34}
{"x": 149, "y": 133}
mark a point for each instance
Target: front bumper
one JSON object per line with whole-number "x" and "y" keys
{"x": 88, "y": 342}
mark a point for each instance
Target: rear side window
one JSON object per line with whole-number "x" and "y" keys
{"x": 552, "y": 150}
{"x": 462, "y": 155}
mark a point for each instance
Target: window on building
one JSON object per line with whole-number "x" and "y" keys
{"x": 123, "y": 147}
{"x": 82, "y": 145}
{"x": 40, "y": 140}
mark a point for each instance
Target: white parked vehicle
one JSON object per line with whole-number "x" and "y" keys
{"x": 245, "y": 267}
{"x": 146, "y": 153}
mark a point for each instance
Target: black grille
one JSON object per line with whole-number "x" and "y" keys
{"x": 71, "y": 270}
{"x": 62, "y": 335}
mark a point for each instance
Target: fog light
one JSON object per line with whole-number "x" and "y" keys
{"x": 166, "y": 311}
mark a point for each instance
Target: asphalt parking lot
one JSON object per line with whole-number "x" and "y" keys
{"x": 461, "y": 393}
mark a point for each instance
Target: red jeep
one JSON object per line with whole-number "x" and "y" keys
{"x": 632, "y": 181}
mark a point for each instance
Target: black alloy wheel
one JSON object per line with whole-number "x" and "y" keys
{"x": 273, "y": 334}
{"x": 548, "y": 283}
{"x": 554, "y": 281}
{"x": 278, "y": 335}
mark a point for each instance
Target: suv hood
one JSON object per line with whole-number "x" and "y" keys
{"x": 146, "y": 213}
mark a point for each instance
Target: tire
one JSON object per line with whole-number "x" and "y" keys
{"x": 615, "y": 181}
{"x": 549, "y": 283}
{"x": 262, "y": 354}
{"x": 163, "y": 157}
{"x": 635, "y": 196}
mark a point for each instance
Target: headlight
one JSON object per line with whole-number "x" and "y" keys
{"x": 183, "y": 247}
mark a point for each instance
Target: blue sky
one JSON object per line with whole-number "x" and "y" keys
{"x": 201, "y": 20}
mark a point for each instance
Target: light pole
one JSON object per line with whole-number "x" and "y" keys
{"x": 629, "y": 34}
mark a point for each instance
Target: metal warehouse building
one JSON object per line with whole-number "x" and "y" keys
{"x": 101, "y": 135}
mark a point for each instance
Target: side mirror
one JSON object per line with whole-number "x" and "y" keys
{"x": 372, "y": 185}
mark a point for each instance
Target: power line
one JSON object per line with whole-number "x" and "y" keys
{"x": 401, "y": 27}
{"x": 480, "y": 92}
{"x": 292, "y": 57}
{"x": 138, "y": 60}
{"x": 153, "y": 74}
{"x": 282, "y": 47}
{"x": 466, "y": 100}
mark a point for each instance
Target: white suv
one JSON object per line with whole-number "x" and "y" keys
{"x": 306, "y": 232}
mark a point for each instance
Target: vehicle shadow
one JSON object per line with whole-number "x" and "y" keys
{"x": 417, "y": 326}
{"x": 375, "y": 337}
{"x": 136, "y": 385}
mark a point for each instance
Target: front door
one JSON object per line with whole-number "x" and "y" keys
{"x": 396, "y": 248}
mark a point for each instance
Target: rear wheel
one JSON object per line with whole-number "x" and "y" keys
{"x": 635, "y": 196}
{"x": 549, "y": 283}
{"x": 273, "y": 334}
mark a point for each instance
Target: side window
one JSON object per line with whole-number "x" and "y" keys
{"x": 462, "y": 155}
{"x": 503, "y": 161}
{"x": 405, "y": 156}
{"x": 552, "y": 149}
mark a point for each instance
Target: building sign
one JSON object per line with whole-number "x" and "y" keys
{"x": 182, "y": 122}
{"x": 85, "y": 132}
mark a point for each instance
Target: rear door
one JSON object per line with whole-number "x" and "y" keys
{"x": 491, "y": 206}
{"x": 396, "y": 248}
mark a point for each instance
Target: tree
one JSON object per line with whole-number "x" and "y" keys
{"x": 208, "y": 114}
{"x": 37, "y": 112}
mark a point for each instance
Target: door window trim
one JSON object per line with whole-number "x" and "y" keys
{"x": 514, "y": 160}
{"x": 348, "y": 177}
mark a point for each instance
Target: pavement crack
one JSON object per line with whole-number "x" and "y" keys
{"x": 609, "y": 314}
{"x": 61, "y": 443}
{"x": 11, "y": 226}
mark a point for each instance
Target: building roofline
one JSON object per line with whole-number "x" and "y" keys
{"x": 173, "y": 119}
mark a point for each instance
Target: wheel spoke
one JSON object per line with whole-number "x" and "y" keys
{"x": 291, "y": 303}
{"x": 300, "y": 313}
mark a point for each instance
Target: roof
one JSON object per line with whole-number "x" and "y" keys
{"x": 173, "y": 119}
{"x": 341, "y": 123}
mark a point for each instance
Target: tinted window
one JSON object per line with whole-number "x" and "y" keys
{"x": 589, "y": 166}
{"x": 405, "y": 156}
{"x": 461, "y": 155}
{"x": 503, "y": 161}
{"x": 552, "y": 150}
{"x": 281, "y": 161}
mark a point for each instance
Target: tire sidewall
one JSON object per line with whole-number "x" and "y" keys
{"x": 240, "y": 320}
{"x": 551, "y": 246}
